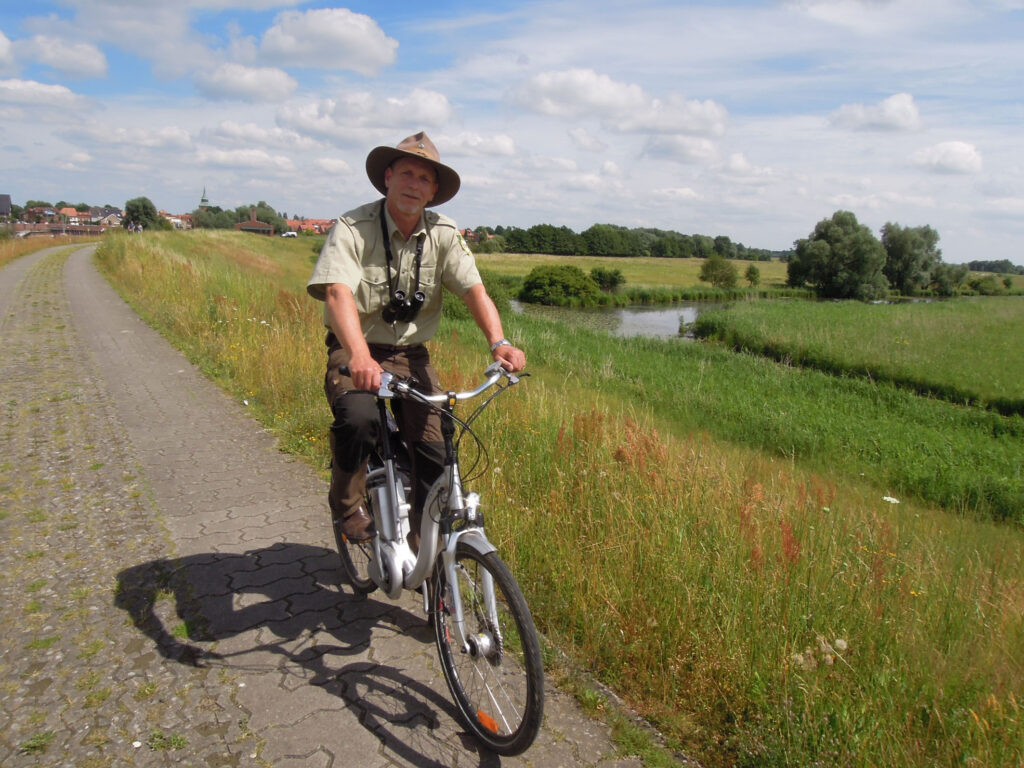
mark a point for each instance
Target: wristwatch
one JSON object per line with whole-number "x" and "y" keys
{"x": 500, "y": 343}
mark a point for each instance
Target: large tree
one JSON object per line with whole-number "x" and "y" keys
{"x": 841, "y": 259}
{"x": 718, "y": 271}
{"x": 911, "y": 254}
{"x": 140, "y": 210}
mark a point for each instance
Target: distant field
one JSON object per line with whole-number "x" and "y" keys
{"x": 966, "y": 349}
{"x": 653, "y": 273}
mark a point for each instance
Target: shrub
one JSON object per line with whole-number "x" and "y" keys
{"x": 718, "y": 271}
{"x": 559, "y": 286}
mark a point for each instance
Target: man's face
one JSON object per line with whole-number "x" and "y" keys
{"x": 411, "y": 185}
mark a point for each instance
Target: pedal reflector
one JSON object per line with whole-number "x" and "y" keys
{"x": 487, "y": 721}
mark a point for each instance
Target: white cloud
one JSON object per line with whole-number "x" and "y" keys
{"x": 157, "y": 32}
{"x": 622, "y": 107}
{"x": 577, "y": 93}
{"x": 334, "y": 166}
{"x": 353, "y": 117}
{"x": 684, "y": 149}
{"x": 29, "y": 92}
{"x": 583, "y": 139}
{"x": 609, "y": 168}
{"x": 74, "y": 161}
{"x": 255, "y": 84}
{"x": 72, "y": 59}
{"x": 677, "y": 194}
{"x": 248, "y": 159}
{"x": 329, "y": 38}
{"x": 949, "y": 157}
{"x": 6, "y": 55}
{"x": 676, "y": 115}
{"x": 233, "y": 132}
{"x": 1010, "y": 206}
{"x": 167, "y": 136}
{"x": 740, "y": 169}
{"x": 475, "y": 145}
{"x": 896, "y": 113}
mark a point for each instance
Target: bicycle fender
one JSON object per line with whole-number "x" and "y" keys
{"x": 473, "y": 538}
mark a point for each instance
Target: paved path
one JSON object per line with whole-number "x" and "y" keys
{"x": 170, "y": 594}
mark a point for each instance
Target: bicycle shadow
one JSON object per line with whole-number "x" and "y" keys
{"x": 279, "y": 609}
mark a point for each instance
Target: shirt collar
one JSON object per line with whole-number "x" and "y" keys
{"x": 394, "y": 230}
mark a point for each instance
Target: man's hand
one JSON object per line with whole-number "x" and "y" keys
{"x": 365, "y": 372}
{"x": 511, "y": 358}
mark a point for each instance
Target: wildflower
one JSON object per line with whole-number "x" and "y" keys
{"x": 841, "y": 645}
{"x": 890, "y": 500}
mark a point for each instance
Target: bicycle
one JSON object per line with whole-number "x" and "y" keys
{"x": 485, "y": 636}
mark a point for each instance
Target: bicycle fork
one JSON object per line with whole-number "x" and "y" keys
{"x": 474, "y": 537}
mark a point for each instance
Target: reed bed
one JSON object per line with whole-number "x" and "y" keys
{"x": 759, "y": 613}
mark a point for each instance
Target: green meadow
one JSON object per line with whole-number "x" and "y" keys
{"x": 968, "y": 350}
{"x": 774, "y": 564}
{"x": 645, "y": 271}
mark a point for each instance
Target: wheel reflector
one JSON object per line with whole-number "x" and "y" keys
{"x": 487, "y": 721}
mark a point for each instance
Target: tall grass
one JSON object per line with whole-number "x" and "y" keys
{"x": 966, "y": 350}
{"x": 235, "y": 308}
{"x": 759, "y": 613}
{"x": 12, "y": 248}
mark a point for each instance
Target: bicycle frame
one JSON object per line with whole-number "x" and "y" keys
{"x": 486, "y": 640}
{"x": 394, "y": 567}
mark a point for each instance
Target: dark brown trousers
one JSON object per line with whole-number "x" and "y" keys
{"x": 355, "y": 433}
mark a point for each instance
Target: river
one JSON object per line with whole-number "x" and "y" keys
{"x": 658, "y": 321}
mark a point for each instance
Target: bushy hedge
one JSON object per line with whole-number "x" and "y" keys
{"x": 560, "y": 285}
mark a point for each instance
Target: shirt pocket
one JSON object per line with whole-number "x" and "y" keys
{"x": 428, "y": 275}
{"x": 373, "y": 289}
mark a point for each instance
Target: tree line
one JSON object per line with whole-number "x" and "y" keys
{"x": 842, "y": 259}
{"x": 215, "y": 217}
{"x": 614, "y": 240}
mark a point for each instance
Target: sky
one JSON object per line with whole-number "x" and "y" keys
{"x": 753, "y": 119}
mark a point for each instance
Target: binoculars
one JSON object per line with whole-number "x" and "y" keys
{"x": 402, "y": 308}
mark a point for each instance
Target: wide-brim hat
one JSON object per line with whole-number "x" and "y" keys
{"x": 419, "y": 146}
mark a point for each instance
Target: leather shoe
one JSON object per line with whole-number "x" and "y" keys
{"x": 358, "y": 526}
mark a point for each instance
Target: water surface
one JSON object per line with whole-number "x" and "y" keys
{"x": 658, "y": 321}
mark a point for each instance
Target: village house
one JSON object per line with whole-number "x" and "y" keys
{"x": 317, "y": 226}
{"x": 255, "y": 226}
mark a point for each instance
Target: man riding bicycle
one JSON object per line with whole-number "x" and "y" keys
{"x": 380, "y": 275}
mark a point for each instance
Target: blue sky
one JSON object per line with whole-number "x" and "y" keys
{"x": 748, "y": 119}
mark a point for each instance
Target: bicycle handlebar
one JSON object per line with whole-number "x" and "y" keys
{"x": 392, "y": 385}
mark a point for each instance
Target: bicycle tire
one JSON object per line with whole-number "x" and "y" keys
{"x": 355, "y": 559}
{"x": 498, "y": 687}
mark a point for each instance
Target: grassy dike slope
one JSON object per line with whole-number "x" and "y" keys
{"x": 714, "y": 535}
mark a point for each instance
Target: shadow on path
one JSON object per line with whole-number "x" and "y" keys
{"x": 278, "y": 611}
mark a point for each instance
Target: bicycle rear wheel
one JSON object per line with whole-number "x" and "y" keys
{"x": 498, "y": 686}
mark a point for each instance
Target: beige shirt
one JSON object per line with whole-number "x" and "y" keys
{"x": 353, "y": 255}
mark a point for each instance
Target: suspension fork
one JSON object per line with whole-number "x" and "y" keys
{"x": 392, "y": 512}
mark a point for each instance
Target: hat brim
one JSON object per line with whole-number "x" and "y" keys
{"x": 448, "y": 181}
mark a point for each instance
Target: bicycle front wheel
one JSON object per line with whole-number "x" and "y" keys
{"x": 498, "y": 685}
